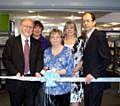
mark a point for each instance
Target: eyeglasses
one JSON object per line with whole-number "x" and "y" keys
{"x": 55, "y": 37}
{"x": 26, "y": 26}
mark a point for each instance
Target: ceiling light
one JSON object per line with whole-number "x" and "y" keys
{"x": 73, "y": 17}
{"x": 114, "y": 23}
{"x": 81, "y": 12}
{"x": 41, "y": 17}
{"x": 105, "y": 25}
{"x": 31, "y": 11}
{"x": 117, "y": 28}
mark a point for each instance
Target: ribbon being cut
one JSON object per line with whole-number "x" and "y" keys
{"x": 50, "y": 78}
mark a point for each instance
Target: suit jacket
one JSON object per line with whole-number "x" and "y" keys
{"x": 13, "y": 60}
{"x": 96, "y": 56}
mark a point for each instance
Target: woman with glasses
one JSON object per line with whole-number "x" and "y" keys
{"x": 58, "y": 58}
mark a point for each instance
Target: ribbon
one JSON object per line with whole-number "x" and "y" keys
{"x": 65, "y": 79}
{"x": 50, "y": 78}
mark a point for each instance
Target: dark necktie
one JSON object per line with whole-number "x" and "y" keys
{"x": 26, "y": 57}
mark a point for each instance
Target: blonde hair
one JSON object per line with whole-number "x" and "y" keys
{"x": 70, "y": 23}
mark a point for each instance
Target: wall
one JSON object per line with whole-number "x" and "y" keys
{"x": 4, "y": 22}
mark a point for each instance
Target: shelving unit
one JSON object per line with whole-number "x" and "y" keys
{"x": 3, "y": 37}
{"x": 114, "y": 44}
{"x": 7, "y": 30}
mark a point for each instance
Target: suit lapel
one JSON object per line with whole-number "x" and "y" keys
{"x": 32, "y": 48}
{"x": 90, "y": 39}
{"x": 19, "y": 47}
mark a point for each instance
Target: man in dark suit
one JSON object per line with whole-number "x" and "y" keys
{"x": 21, "y": 60}
{"x": 96, "y": 58}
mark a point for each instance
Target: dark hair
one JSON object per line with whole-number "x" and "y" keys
{"x": 38, "y": 23}
{"x": 92, "y": 15}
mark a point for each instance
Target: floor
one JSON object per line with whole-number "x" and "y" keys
{"x": 110, "y": 98}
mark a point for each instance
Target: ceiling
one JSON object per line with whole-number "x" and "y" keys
{"x": 59, "y": 17}
{"x": 61, "y": 4}
{"x": 53, "y": 16}
{"x": 57, "y": 12}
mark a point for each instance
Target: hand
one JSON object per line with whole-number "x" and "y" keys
{"x": 46, "y": 68}
{"x": 78, "y": 67}
{"x": 37, "y": 74}
{"x": 88, "y": 79}
{"x": 75, "y": 70}
{"x": 18, "y": 75}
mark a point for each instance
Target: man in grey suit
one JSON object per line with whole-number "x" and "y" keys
{"x": 21, "y": 60}
{"x": 96, "y": 58}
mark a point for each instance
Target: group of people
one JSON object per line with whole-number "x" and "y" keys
{"x": 65, "y": 53}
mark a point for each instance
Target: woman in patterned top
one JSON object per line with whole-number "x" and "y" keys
{"x": 76, "y": 46}
{"x": 58, "y": 57}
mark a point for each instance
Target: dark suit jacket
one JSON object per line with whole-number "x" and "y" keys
{"x": 96, "y": 56}
{"x": 13, "y": 60}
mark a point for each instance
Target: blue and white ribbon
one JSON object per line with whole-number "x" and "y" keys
{"x": 65, "y": 79}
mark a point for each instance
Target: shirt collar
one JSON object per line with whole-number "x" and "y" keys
{"x": 24, "y": 38}
{"x": 90, "y": 32}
